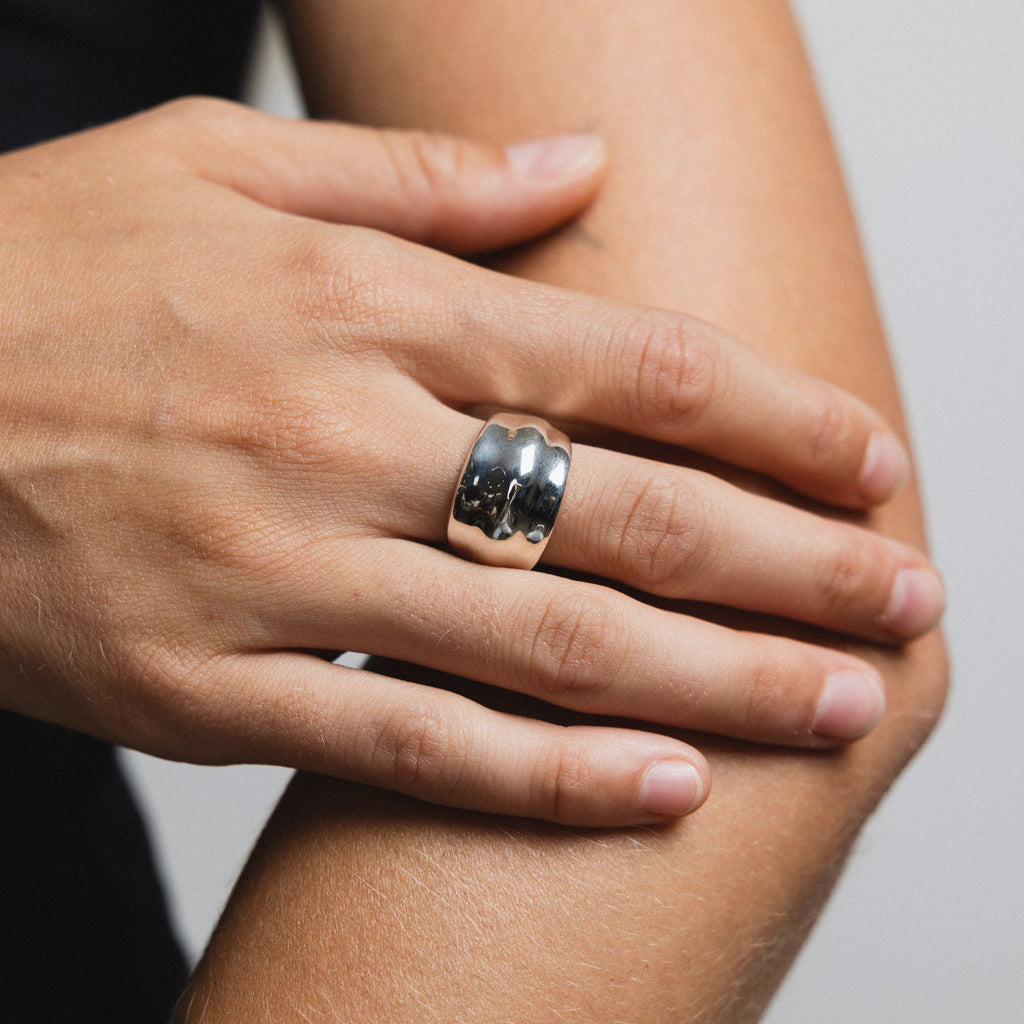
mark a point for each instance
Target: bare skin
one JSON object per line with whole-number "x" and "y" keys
{"x": 206, "y": 472}
{"x": 724, "y": 199}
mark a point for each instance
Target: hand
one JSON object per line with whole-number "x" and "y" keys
{"x": 229, "y": 434}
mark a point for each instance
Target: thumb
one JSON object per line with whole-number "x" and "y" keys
{"x": 440, "y": 190}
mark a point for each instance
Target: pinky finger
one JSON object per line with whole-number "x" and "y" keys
{"x": 442, "y": 747}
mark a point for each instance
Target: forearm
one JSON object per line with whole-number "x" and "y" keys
{"x": 724, "y": 200}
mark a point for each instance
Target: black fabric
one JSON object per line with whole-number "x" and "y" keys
{"x": 70, "y": 64}
{"x": 84, "y": 935}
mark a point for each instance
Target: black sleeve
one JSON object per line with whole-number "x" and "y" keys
{"x": 85, "y": 935}
{"x": 84, "y": 932}
{"x": 71, "y": 64}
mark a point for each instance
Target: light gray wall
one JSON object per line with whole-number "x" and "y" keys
{"x": 927, "y": 102}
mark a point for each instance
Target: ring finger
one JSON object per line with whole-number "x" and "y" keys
{"x": 683, "y": 534}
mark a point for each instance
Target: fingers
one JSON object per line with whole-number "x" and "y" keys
{"x": 438, "y": 746}
{"x": 677, "y": 533}
{"x": 586, "y": 648}
{"x": 444, "y": 191}
{"x": 654, "y": 374}
{"x": 475, "y": 338}
{"x": 680, "y": 533}
{"x": 650, "y": 373}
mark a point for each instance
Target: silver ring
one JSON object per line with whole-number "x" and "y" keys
{"x": 509, "y": 492}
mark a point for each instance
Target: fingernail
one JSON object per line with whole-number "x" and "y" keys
{"x": 885, "y": 467}
{"x": 916, "y": 603}
{"x": 557, "y": 157}
{"x": 851, "y": 705}
{"x": 670, "y": 789}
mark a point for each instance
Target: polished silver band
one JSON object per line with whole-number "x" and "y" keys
{"x": 510, "y": 491}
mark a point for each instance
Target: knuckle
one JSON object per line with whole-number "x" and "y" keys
{"x": 430, "y": 169}
{"x": 675, "y": 369}
{"x": 199, "y": 109}
{"x": 663, "y": 532}
{"x": 423, "y": 162}
{"x": 423, "y": 166}
{"x": 163, "y": 694}
{"x": 579, "y": 647}
{"x": 856, "y": 571}
{"x": 413, "y": 751}
{"x": 209, "y": 136}
{"x": 829, "y": 434}
{"x": 766, "y": 684}
{"x": 563, "y": 782}
{"x": 207, "y": 119}
{"x": 337, "y": 289}
{"x": 290, "y": 428}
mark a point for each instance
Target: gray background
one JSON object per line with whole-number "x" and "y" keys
{"x": 927, "y": 102}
